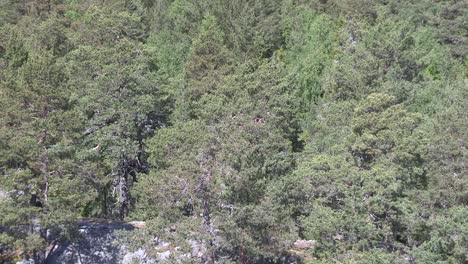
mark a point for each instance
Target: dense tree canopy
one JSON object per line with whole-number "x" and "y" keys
{"x": 242, "y": 125}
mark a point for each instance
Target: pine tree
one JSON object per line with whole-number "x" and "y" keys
{"x": 115, "y": 94}
{"x": 35, "y": 103}
{"x": 207, "y": 64}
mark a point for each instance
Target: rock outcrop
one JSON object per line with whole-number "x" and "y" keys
{"x": 97, "y": 243}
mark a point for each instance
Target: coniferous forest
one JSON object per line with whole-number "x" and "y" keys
{"x": 313, "y": 131}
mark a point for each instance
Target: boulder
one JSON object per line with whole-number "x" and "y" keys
{"x": 304, "y": 244}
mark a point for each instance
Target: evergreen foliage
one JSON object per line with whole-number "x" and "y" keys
{"x": 243, "y": 126}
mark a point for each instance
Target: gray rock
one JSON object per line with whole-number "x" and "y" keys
{"x": 96, "y": 244}
{"x": 304, "y": 244}
{"x": 26, "y": 261}
{"x": 138, "y": 256}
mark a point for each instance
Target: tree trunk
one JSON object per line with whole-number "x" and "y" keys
{"x": 124, "y": 191}
{"x": 123, "y": 197}
{"x": 44, "y": 160}
{"x": 210, "y": 254}
{"x": 45, "y": 175}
